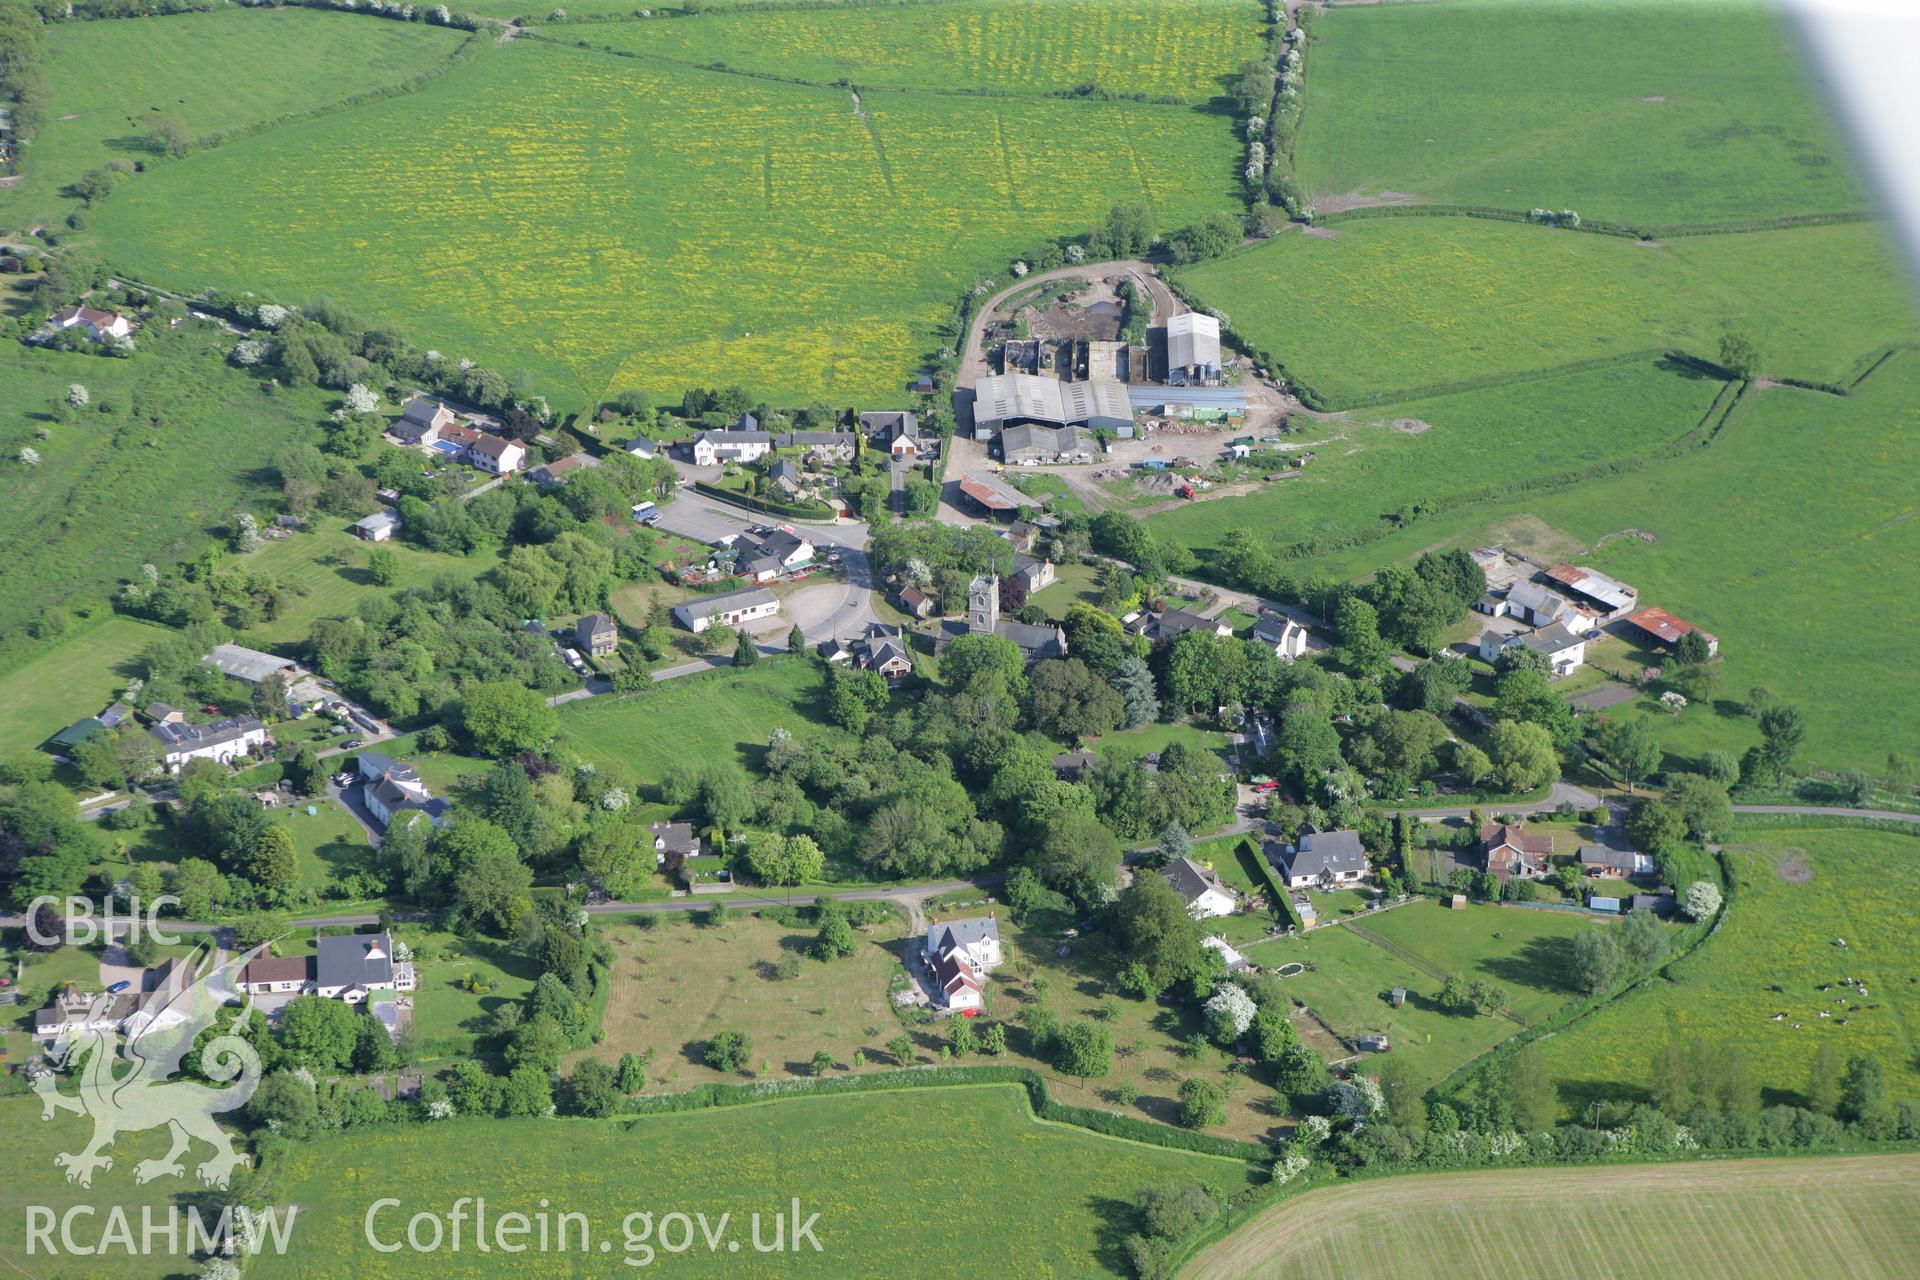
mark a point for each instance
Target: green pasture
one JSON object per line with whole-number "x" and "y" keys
{"x": 170, "y": 443}
{"x": 1414, "y": 302}
{"x": 1790, "y": 529}
{"x": 1527, "y": 951}
{"x": 698, "y": 719}
{"x": 869, "y": 1165}
{"x": 1180, "y": 49}
{"x": 1637, "y": 111}
{"x": 74, "y": 678}
{"x": 656, "y": 225}
{"x": 108, "y": 77}
{"x": 1366, "y": 468}
{"x": 1796, "y": 893}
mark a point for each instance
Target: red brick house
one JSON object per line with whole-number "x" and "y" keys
{"x": 1510, "y": 851}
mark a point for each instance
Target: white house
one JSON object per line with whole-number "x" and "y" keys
{"x": 222, "y": 741}
{"x": 732, "y": 609}
{"x": 959, "y": 955}
{"x": 1558, "y": 644}
{"x": 390, "y": 787}
{"x": 1287, "y": 638}
{"x": 98, "y": 324}
{"x": 497, "y": 455}
{"x": 353, "y": 966}
{"x": 711, "y": 448}
{"x": 1200, "y": 888}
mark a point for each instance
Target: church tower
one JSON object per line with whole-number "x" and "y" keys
{"x": 983, "y": 606}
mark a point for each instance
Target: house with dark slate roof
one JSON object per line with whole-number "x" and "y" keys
{"x": 353, "y": 966}
{"x": 1321, "y": 858}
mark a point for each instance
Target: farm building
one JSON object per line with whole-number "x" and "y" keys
{"x": 993, "y": 495}
{"x": 1193, "y": 349}
{"x": 1667, "y": 629}
{"x": 378, "y": 527}
{"x": 1540, "y": 605}
{"x": 1027, "y": 445}
{"x": 731, "y": 609}
{"x": 1011, "y": 399}
{"x": 248, "y": 665}
{"x": 1610, "y": 596}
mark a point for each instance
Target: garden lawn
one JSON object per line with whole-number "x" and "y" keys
{"x": 698, "y": 719}
{"x": 1526, "y": 951}
{"x": 868, "y": 1165}
{"x": 1642, "y": 112}
{"x": 1847, "y": 1218}
{"x": 678, "y": 983}
{"x": 1348, "y": 986}
{"x": 1072, "y": 584}
{"x": 1365, "y": 471}
{"x": 75, "y": 678}
{"x": 603, "y": 222}
{"x": 1805, "y": 533}
{"x": 1864, "y": 888}
{"x": 108, "y": 77}
{"x": 330, "y": 844}
{"x": 1175, "y": 49}
{"x": 116, "y": 488}
{"x": 1388, "y": 306}
{"x": 448, "y": 1020}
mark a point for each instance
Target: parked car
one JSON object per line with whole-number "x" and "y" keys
{"x": 117, "y": 988}
{"x": 351, "y": 743}
{"x": 1266, "y": 786}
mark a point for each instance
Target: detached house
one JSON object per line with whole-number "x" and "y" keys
{"x": 356, "y": 966}
{"x": 497, "y": 455}
{"x": 1200, "y": 889}
{"x": 673, "y": 838}
{"x": 1287, "y": 638}
{"x": 391, "y": 788}
{"x": 884, "y": 649}
{"x": 98, "y": 324}
{"x": 898, "y": 431}
{"x": 597, "y": 634}
{"x": 222, "y": 741}
{"x": 422, "y": 421}
{"x": 711, "y": 448}
{"x": 1032, "y": 572}
{"x": 1321, "y": 858}
{"x": 959, "y": 955}
{"x": 1507, "y": 851}
{"x": 1599, "y": 860}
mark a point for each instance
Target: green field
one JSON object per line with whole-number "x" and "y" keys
{"x": 1365, "y": 468}
{"x": 1348, "y": 987}
{"x": 868, "y": 1165}
{"x": 1642, "y": 112}
{"x": 699, "y": 719}
{"x": 1806, "y": 535}
{"x": 655, "y": 225}
{"x": 171, "y": 431}
{"x": 1185, "y": 49}
{"x": 107, "y": 76}
{"x": 1830, "y": 1219}
{"x": 1411, "y": 302}
{"x": 75, "y": 678}
{"x": 1779, "y": 932}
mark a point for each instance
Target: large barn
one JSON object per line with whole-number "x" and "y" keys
{"x": 1016, "y": 399}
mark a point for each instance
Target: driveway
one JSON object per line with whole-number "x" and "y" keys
{"x": 349, "y": 798}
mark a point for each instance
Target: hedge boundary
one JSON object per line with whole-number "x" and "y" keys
{"x": 1039, "y": 1100}
{"x": 1602, "y": 227}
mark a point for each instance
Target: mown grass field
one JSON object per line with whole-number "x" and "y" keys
{"x": 1841, "y": 1218}
{"x": 1793, "y": 528}
{"x": 699, "y": 719}
{"x": 678, "y": 983}
{"x": 1654, "y": 114}
{"x": 447, "y": 1017}
{"x": 75, "y": 678}
{"x": 1780, "y": 932}
{"x": 170, "y": 443}
{"x": 1365, "y": 468}
{"x": 1413, "y": 302}
{"x": 654, "y": 225}
{"x": 1527, "y": 952}
{"x": 107, "y": 77}
{"x": 1184, "y": 49}
{"x": 1348, "y": 986}
{"x": 868, "y": 1165}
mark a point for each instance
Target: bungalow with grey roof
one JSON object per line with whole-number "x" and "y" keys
{"x": 733, "y": 609}
{"x": 1200, "y": 889}
{"x": 1321, "y": 858}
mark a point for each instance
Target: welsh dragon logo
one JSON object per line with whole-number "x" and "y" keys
{"x": 156, "y": 1039}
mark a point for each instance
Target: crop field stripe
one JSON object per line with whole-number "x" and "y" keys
{"x": 1006, "y": 161}
{"x": 879, "y": 151}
